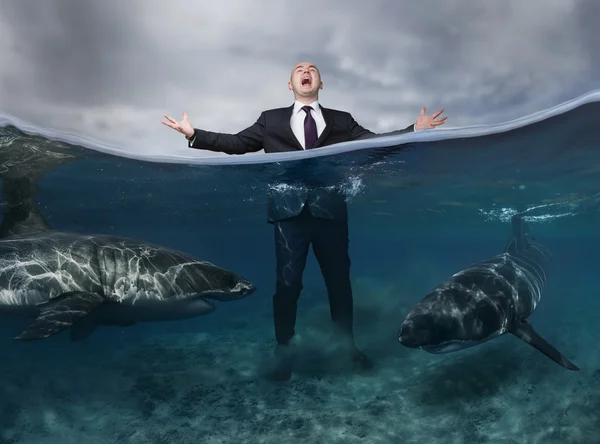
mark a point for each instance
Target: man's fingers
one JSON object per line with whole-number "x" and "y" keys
{"x": 438, "y": 113}
{"x": 171, "y": 119}
{"x": 423, "y": 111}
{"x": 185, "y": 116}
{"x": 175, "y": 126}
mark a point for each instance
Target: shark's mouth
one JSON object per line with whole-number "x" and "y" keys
{"x": 241, "y": 289}
{"x": 444, "y": 347}
{"x": 197, "y": 297}
{"x": 453, "y": 345}
{"x": 207, "y": 302}
{"x": 220, "y": 295}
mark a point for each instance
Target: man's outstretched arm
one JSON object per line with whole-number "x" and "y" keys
{"x": 423, "y": 122}
{"x": 246, "y": 141}
{"x": 358, "y": 132}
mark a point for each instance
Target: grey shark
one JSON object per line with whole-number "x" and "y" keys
{"x": 484, "y": 301}
{"x": 70, "y": 280}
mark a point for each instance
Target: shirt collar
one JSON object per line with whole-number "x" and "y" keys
{"x": 298, "y": 105}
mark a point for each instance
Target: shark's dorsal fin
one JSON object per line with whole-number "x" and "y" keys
{"x": 518, "y": 237}
{"x": 21, "y": 215}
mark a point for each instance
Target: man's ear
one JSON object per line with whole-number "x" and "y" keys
{"x": 290, "y": 86}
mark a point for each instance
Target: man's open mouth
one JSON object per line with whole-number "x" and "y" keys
{"x": 305, "y": 81}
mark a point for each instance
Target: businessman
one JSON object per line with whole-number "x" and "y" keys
{"x": 304, "y": 216}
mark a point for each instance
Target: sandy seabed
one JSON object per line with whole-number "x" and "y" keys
{"x": 209, "y": 387}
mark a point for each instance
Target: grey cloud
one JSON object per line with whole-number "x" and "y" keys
{"x": 588, "y": 14}
{"x": 109, "y": 69}
{"x": 76, "y": 49}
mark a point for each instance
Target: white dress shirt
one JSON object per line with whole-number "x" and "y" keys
{"x": 298, "y": 116}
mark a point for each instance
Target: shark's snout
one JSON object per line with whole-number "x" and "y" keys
{"x": 246, "y": 287}
{"x": 410, "y": 337}
{"x": 416, "y": 331}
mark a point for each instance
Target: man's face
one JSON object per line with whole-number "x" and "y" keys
{"x": 305, "y": 80}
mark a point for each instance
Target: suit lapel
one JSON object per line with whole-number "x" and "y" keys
{"x": 328, "y": 125}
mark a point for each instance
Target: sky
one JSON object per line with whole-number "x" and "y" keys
{"x": 108, "y": 70}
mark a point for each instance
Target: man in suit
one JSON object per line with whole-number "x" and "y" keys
{"x": 308, "y": 215}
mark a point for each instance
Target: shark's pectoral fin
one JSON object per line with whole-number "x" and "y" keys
{"x": 118, "y": 323}
{"x": 61, "y": 313}
{"x": 83, "y": 328}
{"x": 525, "y": 331}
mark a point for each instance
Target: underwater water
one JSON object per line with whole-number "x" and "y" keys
{"x": 421, "y": 207}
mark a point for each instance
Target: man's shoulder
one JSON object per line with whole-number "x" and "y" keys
{"x": 336, "y": 112}
{"x": 280, "y": 110}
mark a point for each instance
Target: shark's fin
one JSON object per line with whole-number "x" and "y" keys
{"x": 518, "y": 238}
{"x": 120, "y": 323}
{"x": 83, "y": 329}
{"x": 525, "y": 332}
{"x": 21, "y": 214}
{"x": 24, "y": 160}
{"x": 61, "y": 313}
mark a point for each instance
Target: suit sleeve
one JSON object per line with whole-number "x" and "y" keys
{"x": 357, "y": 132}
{"x": 246, "y": 141}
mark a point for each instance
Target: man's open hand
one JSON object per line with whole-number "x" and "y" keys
{"x": 184, "y": 127}
{"x": 429, "y": 122}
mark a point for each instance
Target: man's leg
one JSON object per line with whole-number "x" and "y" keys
{"x": 292, "y": 239}
{"x": 330, "y": 244}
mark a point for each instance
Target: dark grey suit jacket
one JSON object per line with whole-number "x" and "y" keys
{"x": 273, "y": 133}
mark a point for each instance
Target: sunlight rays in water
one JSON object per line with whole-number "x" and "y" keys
{"x": 544, "y": 212}
{"x": 178, "y": 389}
{"x": 158, "y": 384}
{"x": 174, "y": 386}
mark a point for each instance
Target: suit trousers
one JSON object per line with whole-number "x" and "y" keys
{"x": 329, "y": 239}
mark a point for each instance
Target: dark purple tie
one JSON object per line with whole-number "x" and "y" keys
{"x": 310, "y": 129}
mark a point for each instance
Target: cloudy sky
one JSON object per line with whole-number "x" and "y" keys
{"x": 108, "y": 70}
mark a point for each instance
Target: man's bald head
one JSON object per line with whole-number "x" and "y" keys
{"x": 305, "y": 82}
{"x": 304, "y": 65}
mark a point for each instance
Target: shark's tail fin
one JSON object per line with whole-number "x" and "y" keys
{"x": 518, "y": 241}
{"x": 24, "y": 159}
{"x": 20, "y": 211}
